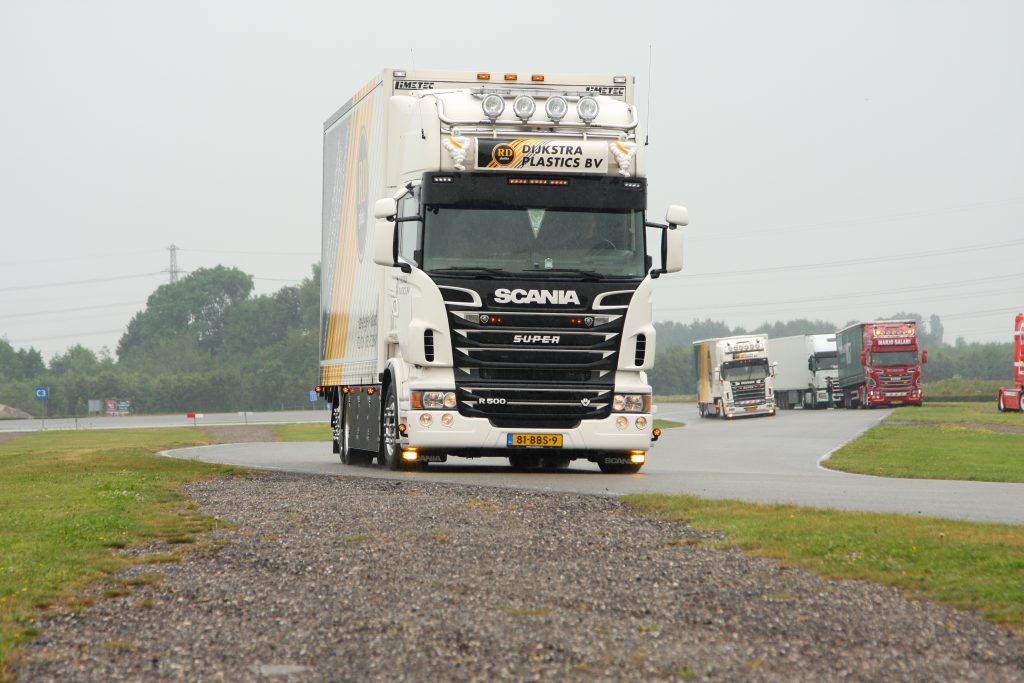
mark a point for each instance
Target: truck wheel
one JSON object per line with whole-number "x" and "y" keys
{"x": 390, "y": 456}
{"x": 1001, "y": 404}
{"x": 335, "y": 428}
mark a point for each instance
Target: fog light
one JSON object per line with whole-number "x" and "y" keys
{"x": 493, "y": 105}
{"x": 587, "y": 108}
{"x": 524, "y": 106}
{"x": 426, "y": 419}
{"x": 641, "y": 422}
{"x": 621, "y": 422}
{"x": 556, "y": 108}
{"x": 447, "y": 419}
{"x": 410, "y": 454}
{"x": 637, "y": 457}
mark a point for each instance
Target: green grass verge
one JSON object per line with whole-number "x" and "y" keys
{"x": 934, "y": 452}
{"x": 965, "y": 387}
{"x": 668, "y": 424}
{"x": 960, "y": 564}
{"x": 303, "y": 432}
{"x": 958, "y": 413}
{"x": 68, "y": 498}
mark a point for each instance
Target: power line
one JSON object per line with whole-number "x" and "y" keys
{"x": 81, "y": 257}
{"x": 77, "y": 282}
{"x": 71, "y": 310}
{"x": 306, "y": 254}
{"x": 856, "y": 262}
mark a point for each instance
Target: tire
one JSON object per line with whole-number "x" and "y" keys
{"x": 524, "y": 461}
{"x": 335, "y": 429}
{"x": 390, "y": 456}
{"x": 1001, "y": 404}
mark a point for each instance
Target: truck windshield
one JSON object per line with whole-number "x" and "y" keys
{"x": 891, "y": 359}
{"x": 535, "y": 240}
{"x": 827, "y": 361}
{"x": 745, "y": 370}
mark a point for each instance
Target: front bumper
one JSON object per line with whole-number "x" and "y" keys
{"x": 477, "y": 433}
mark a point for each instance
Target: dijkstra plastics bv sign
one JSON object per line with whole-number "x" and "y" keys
{"x": 542, "y": 155}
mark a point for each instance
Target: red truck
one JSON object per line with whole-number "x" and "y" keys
{"x": 1013, "y": 398}
{"x": 879, "y": 364}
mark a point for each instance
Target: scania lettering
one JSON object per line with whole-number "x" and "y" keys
{"x": 487, "y": 272}
{"x": 533, "y": 296}
{"x": 734, "y": 377}
{"x": 879, "y": 364}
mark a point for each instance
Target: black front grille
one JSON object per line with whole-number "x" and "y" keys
{"x": 532, "y": 368}
{"x": 896, "y": 381}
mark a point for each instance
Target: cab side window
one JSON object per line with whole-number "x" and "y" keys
{"x": 410, "y": 231}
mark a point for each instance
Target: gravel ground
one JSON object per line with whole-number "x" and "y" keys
{"x": 241, "y": 433}
{"x": 352, "y": 579}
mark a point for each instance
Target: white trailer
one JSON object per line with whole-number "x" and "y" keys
{"x": 486, "y": 274}
{"x": 734, "y": 376}
{"x": 807, "y": 370}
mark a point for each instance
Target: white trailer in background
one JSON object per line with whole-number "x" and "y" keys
{"x": 807, "y": 370}
{"x": 734, "y": 376}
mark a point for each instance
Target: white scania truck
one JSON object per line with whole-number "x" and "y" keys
{"x": 807, "y": 370}
{"x": 734, "y": 376}
{"x": 486, "y": 277}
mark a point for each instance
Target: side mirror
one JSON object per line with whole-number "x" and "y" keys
{"x": 672, "y": 250}
{"x": 775, "y": 364}
{"x": 924, "y": 356}
{"x": 385, "y": 208}
{"x": 718, "y": 375}
{"x": 863, "y": 357}
{"x": 810, "y": 364}
{"x": 677, "y": 215}
{"x": 384, "y": 241}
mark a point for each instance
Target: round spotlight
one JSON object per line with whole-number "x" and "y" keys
{"x": 556, "y": 108}
{"x": 523, "y": 107}
{"x": 641, "y": 422}
{"x": 426, "y": 419}
{"x": 447, "y": 419}
{"x": 588, "y": 109}
{"x": 493, "y": 105}
{"x": 621, "y": 422}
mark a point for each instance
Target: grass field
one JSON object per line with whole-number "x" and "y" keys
{"x": 960, "y": 564}
{"x": 68, "y": 498}
{"x": 964, "y": 387}
{"x": 957, "y": 441}
{"x": 958, "y": 413}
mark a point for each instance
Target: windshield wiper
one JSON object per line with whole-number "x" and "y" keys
{"x": 467, "y": 270}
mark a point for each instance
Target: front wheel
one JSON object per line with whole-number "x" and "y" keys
{"x": 1002, "y": 404}
{"x": 618, "y": 464}
{"x": 390, "y": 453}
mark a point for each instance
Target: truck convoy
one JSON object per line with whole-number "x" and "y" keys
{"x": 1013, "y": 398}
{"x": 486, "y": 280}
{"x": 734, "y": 377}
{"x": 806, "y": 372}
{"x": 879, "y": 364}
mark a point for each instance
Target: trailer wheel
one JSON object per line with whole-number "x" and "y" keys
{"x": 390, "y": 457}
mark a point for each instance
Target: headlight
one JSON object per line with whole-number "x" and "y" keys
{"x": 556, "y": 108}
{"x": 631, "y": 403}
{"x": 493, "y": 105}
{"x": 432, "y": 400}
{"x": 587, "y": 108}
{"x": 523, "y": 107}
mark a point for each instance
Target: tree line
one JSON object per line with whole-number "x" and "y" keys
{"x": 207, "y": 344}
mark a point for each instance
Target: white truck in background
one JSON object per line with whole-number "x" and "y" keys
{"x": 807, "y": 370}
{"x": 486, "y": 275}
{"x": 734, "y": 376}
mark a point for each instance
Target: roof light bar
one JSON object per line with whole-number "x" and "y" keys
{"x": 511, "y": 77}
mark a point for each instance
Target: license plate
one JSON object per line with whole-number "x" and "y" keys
{"x": 896, "y": 402}
{"x": 535, "y": 440}
{"x": 751, "y": 409}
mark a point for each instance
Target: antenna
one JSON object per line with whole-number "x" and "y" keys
{"x": 650, "y": 82}
{"x": 419, "y": 109}
{"x": 173, "y": 270}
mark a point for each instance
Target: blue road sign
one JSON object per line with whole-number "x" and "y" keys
{"x": 42, "y": 393}
{"x": 312, "y": 395}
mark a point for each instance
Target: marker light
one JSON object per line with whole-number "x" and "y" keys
{"x": 556, "y": 108}
{"x": 637, "y": 457}
{"x": 410, "y": 455}
{"x": 523, "y": 107}
{"x": 537, "y": 78}
{"x": 483, "y": 77}
{"x": 588, "y": 109}
{"x": 511, "y": 77}
{"x": 447, "y": 419}
{"x": 398, "y": 73}
{"x": 493, "y": 105}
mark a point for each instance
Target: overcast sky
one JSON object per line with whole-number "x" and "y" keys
{"x": 884, "y": 138}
